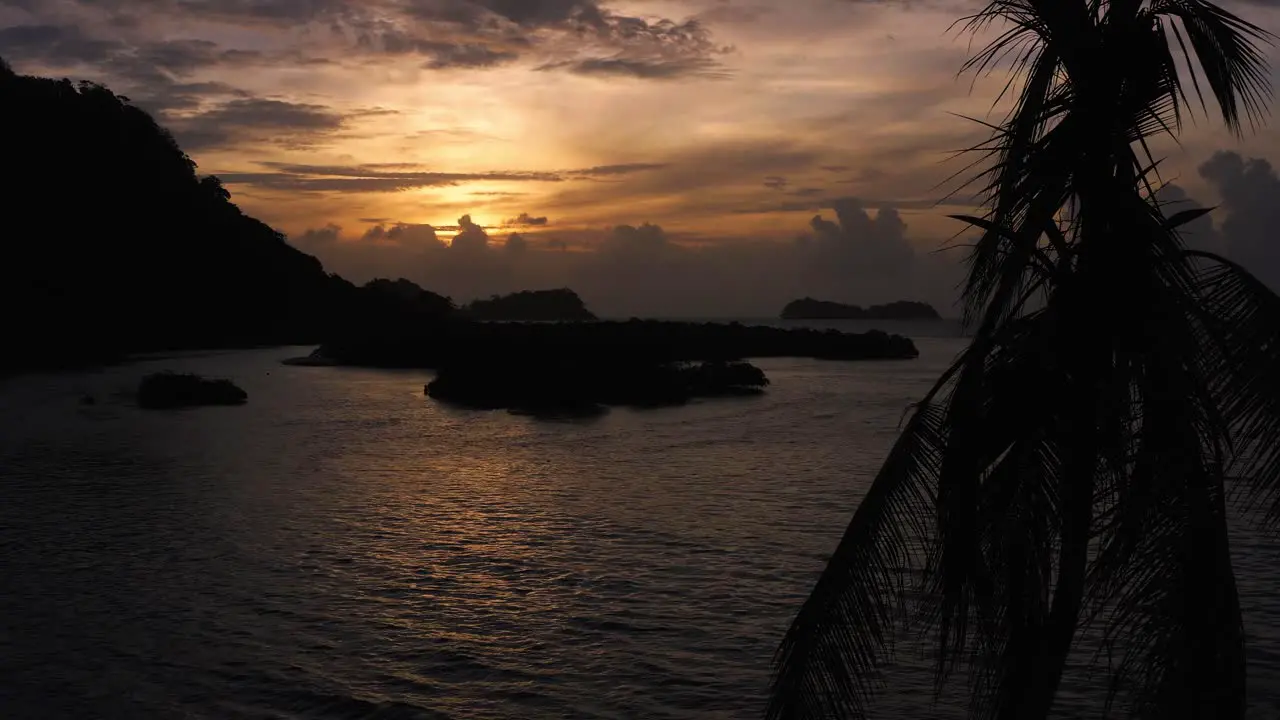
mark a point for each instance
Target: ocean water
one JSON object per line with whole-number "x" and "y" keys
{"x": 342, "y": 547}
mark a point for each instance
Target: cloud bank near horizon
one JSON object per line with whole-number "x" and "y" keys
{"x": 859, "y": 254}
{"x": 853, "y": 253}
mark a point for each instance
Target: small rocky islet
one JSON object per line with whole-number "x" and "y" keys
{"x": 587, "y": 388}
{"x": 169, "y": 390}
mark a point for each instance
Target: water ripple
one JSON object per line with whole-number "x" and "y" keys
{"x": 343, "y": 548}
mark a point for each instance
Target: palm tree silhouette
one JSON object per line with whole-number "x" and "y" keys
{"x": 1070, "y": 470}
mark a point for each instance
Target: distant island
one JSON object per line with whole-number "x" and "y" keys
{"x": 531, "y": 305}
{"x": 454, "y": 341}
{"x": 810, "y": 309}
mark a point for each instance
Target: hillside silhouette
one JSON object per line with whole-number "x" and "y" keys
{"x": 115, "y": 244}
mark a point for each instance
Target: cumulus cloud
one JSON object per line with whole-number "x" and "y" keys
{"x": 421, "y": 237}
{"x": 471, "y": 238}
{"x": 516, "y": 244}
{"x": 526, "y": 220}
{"x": 855, "y": 254}
{"x": 1247, "y": 218}
{"x": 318, "y": 238}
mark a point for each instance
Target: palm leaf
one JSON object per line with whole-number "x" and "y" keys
{"x": 826, "y": 665}
{"x": 1242, "y": 319}
{"x": 1225, "y": 49}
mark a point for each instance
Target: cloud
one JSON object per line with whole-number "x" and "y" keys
{"x": 516, "y": 244}
{"x": 150, "y": 65}
{"x": 854, "y": 255}
{"x": 775, "y": 182}
{"x": 526, "y": 220}
{"x": 394, "y": 177}
{"x": 612, "y": 170}
{"x": 54, "y": 44}
{"x": 368, "y": 178}
{"x": 1249, "y": 214}
{"x": 645, "y": 69}
{"x": 443, "y": 55}
{"x": 277, "y": 122}
{"x": 471, "y": 238}
{"x": 422, "y": 237}
{"x": 319, "y": 238}
{"x": 576, "y": 35}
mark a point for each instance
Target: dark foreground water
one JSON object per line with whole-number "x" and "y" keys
{"x": 342, "y": 547}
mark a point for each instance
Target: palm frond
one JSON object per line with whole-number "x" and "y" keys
{"x": 1225, "y": 49}
{"x": 1163, "y": 566}
{"x": 1074, "y": 469}
{"x": 1242, "y": 323}
{"x": 826, "y": 665}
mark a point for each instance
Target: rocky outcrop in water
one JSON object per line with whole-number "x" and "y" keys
{"x": 542, "y": 386}
{"x": 167, "y": 390}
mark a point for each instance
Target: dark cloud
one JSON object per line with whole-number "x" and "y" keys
{"x": 61, "y": 47}
{"x": 166, "y": 100}
{"x": 857, "y": 255}
{"x": 367, "y": 178}
{"x": 574, "y": 35}
{"x": 484, "y": 13}
{"x": 319, "y": 238}
{"x": 516, "y": 244}
{"x": 610, "y": 170}
{"x": 256, "y": 119}
{"x": 156, "y": 76}
{"x": 645, "y": 69}
{"x": 694, "y": 179}
{"x": 405, "y": 235}
{"x": 471, "y": 238}
{"x": 393, "y": 177}
{"x": 810, "y": 201}
{"x": 1249, "y": 214}
{"x": 646, "y": 240}
{"x": 55, "y": 45}
{"x": 775, "y": 182}
{"x": 442, "y": 55}
{"x": 526, "y": 220}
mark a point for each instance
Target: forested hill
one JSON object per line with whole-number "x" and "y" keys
{"x": 112, "y": 243}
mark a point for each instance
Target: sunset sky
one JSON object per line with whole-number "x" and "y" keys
{"x": 352, "y": 126}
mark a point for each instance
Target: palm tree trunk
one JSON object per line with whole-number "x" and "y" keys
{"x": 1088, "y": 308}
{"x": 1045, "y": 663}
